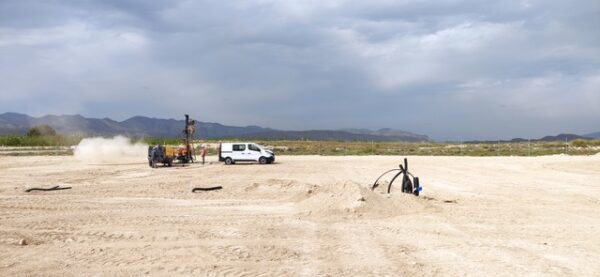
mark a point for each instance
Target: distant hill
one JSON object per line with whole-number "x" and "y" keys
{"x": 595, "y": 135}
{"x": 140, "y": 126}
{"x": 559, "y": 137}
{"x": 389, "y": 133}
{"x": 170, "y": 127}
{"x": 332, "y": 135}
{"x": 14, "y": 123}
{"x": 563, "y": 137}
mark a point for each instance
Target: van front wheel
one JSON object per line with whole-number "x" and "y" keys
{"x": 228, "y": 161}
{"x": 262, "y": 160}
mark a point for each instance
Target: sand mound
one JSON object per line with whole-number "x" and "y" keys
{"x": 353, "y": 199}
{"x": 108, "y": 149}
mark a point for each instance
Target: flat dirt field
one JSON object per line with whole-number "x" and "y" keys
{"x": 304, "y": 215}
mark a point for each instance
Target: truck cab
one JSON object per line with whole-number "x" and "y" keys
{"x": 232, "y": 152}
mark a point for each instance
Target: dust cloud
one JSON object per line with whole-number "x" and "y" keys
{"x": 101, "y": 149}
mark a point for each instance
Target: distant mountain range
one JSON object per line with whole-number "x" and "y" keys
{"x": 140, "y": 126}
{"x": 386, "y": 132}
{"x": 593, "y": 135}
{"x": 560, "y": 137}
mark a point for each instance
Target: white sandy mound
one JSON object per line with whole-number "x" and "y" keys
{"x": 109, "y": 149}
{"x": 350, "y": 198}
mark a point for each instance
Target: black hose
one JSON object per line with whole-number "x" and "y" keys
{"x": 375, "y": 184}
{"x": 48, "y": 189}
{"x": 407, "y": 185}
{"x": 393, "y": 179}
{"x": 206, "y": 189}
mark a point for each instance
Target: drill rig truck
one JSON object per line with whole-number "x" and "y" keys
{"x": 166, "y": 154}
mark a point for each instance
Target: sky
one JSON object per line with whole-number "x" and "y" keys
{"x": 450, "y": 69}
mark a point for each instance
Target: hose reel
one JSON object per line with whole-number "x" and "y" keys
{"x": 408, "y": 185}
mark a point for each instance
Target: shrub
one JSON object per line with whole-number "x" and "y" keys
{"x": 41, "y": 130}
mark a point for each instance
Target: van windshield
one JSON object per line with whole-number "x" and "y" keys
{"x": 253, "y": 147}
{"x": 262, "y": 147}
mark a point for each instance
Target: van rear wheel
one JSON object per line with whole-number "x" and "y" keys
{"x": 228, "y": 161}
{"x": 262, "y": 160}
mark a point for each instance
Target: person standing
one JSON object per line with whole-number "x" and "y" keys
{"x": 203, "y": 151}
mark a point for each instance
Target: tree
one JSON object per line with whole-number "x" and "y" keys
{"x": 41, "y": 130}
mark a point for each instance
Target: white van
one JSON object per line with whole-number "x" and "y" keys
{"x": 232, "y": 152}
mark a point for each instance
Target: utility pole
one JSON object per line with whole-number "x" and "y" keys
{"x": 498, "y": 148}
{"x": 372, "y": 149}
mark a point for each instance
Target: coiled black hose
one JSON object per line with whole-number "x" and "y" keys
{"x": 408, "y": 185}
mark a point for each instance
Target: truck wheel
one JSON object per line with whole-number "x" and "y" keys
{"x": 262, "y": 160}
{"x": 228, "y": 161}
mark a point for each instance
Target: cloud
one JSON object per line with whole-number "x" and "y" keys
{"x": 432, "y": 58}
{"x": 552, "y": 96}
{"x": 446, "y": 68}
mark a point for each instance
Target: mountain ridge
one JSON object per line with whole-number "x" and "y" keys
{"x": 593, "y": 135}
{"x": 559, "y": 137}
{"x": 142, "y": 126}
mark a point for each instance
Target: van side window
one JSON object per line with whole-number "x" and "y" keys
{"x": 239, "y": 147}
{"x": 253, "y": 147}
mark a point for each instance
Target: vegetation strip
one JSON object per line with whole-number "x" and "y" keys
{"x": 332, "y": 148}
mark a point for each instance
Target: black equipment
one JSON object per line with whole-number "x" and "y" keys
{"x": 408, "y": 185}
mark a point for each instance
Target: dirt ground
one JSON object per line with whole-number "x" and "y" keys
{"x": 304, "y": 215}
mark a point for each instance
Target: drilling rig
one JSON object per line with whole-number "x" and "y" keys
{"x": 166, "y": 154}
{"x": 188, "y": 134}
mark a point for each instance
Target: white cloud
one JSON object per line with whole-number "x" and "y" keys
{"x": 447, "y": 55}
{"x": 549, "y": 96}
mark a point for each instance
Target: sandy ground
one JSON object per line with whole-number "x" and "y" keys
{"x": 305, "y": 215}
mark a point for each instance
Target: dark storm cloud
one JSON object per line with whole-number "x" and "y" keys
{"x": 450, "y": 69}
